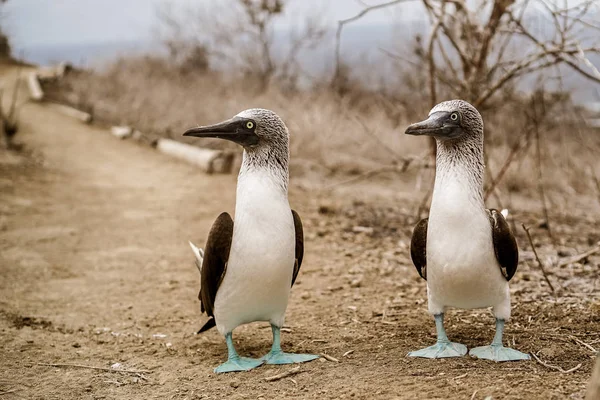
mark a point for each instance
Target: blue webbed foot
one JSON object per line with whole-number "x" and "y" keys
{"x": 442, "y": 349}
{"x": 239, "y": 364}
{"x": 279, "y": 357}
{"x": 234, "y": 361}
{"x": 497, "y": 352}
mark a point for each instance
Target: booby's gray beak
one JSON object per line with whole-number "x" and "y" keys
{"x": 239, "y": 130}
{"x": 435, "y": 125}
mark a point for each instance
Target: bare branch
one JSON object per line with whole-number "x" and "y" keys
{"x": 541, "y": 265}
{"x": 344, "y": 22}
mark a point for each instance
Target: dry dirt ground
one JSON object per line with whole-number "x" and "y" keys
{"x": 96, "y": 270}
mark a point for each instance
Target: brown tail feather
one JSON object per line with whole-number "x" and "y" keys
{"x": 209, "y": 324}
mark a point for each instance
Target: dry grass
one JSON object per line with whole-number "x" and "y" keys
{"x": 351, "y": 133}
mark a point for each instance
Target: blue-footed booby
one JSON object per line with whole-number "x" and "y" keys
{"x": 465, "y": 252}
{"x": 248, "y": 268}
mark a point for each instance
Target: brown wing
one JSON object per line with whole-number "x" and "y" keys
{"x": 216, "y": 255}
{"x": 299, "y": 245}
{"x": 418, "y": 247}
{"x": 505, "y": 245}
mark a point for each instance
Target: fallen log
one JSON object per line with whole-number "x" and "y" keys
{"x": 35, "y": 89}
{"x": 54, "y": 72}
{"x": 122, "y": 132}
{"x": 150, "y": 140}
{"x": 72, "y": 112}
{"x": 211, "y": 161}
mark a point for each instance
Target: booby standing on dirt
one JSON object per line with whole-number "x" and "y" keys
{"x": 248, "y": 268}
{"x": 466, "y": 253}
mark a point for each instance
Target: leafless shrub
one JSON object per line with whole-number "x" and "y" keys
{"x": 481, "y": 51}
{"x": 240, "y": 40}
{"x": 472, "y": 52}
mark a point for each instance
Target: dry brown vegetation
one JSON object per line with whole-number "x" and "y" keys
{"x": 537, "y": 142}
{"x": 356, "y": 132}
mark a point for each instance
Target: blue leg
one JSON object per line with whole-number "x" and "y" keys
{"x": 277, "y": 356}
{"x": 497, "y": 352}
{"x": 444, "y": 347}
{"x": 234, "y": 361}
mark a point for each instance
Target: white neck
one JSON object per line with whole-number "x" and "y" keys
{"x": 260, "y": 186}
{"x": 268, "y": 161}
{"x": 459, "y": 178}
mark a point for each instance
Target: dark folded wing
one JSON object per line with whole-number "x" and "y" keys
{"x": 299, "y": 245}
{"x": 418, "y": 247}
{"x": 216, "y": 254}
{"x": 505, "y": 245}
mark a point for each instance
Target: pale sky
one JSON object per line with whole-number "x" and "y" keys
{"x": 41, "y": 22}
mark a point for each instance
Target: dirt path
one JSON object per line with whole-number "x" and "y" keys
{"x": 96, "y": 270}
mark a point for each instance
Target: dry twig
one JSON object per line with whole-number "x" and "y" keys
{"x": 581, "y": 342}
{"x": 285, "y": 374}
{"x": 329, "y": 358}
{"x": 555, "y": 367}
{"x": 509, "y": 160}
{"x": 538, "y": 259}
{"x": 128, "y": 371}
{"x": 342, "y": 23}
{"x": 596, "y": 182}
{"x": 540, "y": 180}
{"x": 579, "y": 257}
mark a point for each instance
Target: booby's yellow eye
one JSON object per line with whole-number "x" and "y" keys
{"x": 249, "y": 124}
{"x": 454, "y": 116}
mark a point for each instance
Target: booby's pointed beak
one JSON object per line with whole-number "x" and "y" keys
{"x": 239, "y": 130}
{"x": 433, "y": 126}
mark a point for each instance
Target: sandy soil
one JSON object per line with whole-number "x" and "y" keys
{"x": 96, "y": 270}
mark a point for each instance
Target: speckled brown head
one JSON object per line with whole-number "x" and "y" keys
{"x": 450, "y": 120}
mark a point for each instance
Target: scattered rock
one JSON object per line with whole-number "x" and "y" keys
{"x": 356, "y": 282}
{"x": 362, "y": 229}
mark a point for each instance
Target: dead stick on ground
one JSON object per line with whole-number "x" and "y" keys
{"x": 557, "y": 368}
{"x": 8, "y": 391}
{"x": 128, "y": 371}
{"x": 538, "y": 259}
{"x": 329, "y": 358}
{"x": 579, "y": 257}
{"x": 581, "y": 342}
{"x": 285, "y": 374}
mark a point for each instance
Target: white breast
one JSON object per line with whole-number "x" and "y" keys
{"x": 462, "y": 270}
{"x": 257, "y": 282}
